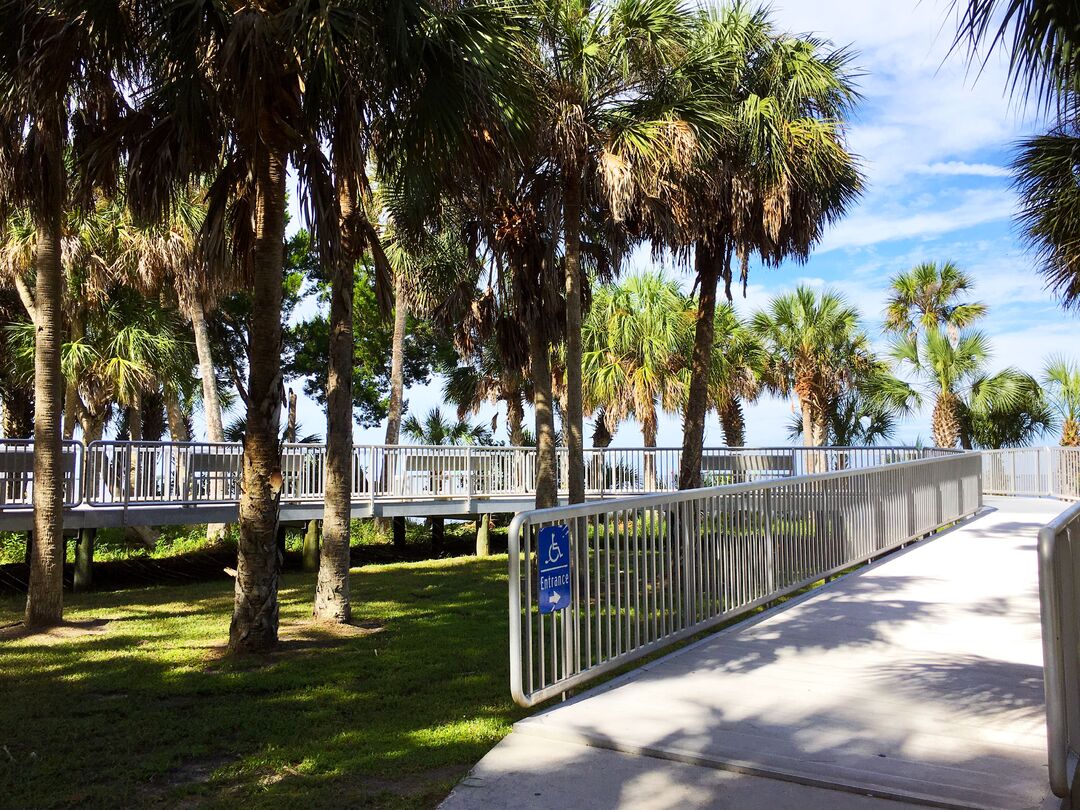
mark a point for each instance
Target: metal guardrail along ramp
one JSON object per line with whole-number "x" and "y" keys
{"x": 917, "y": 678}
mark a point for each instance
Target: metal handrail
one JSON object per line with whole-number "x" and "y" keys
{"x": 17, "y": 473}
{"x": 158, "y": 473}
{"x": 1059, "y": 601}
{"x": 647, "y": 572}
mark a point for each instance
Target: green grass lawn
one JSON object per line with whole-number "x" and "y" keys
{"x": 136, "y": 706}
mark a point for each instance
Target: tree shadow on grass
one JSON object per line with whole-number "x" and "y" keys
{"x": 388, "y": 714}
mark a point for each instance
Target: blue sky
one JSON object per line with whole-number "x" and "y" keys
{"x": 935, "y": 143}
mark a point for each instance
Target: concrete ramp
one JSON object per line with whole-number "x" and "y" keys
{"x": 918, "y": 679}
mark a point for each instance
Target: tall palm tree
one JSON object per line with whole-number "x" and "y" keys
{"x": 435, "y": 429}
{"x": 1061, "y": 381}
{"x": 599, "y": 81}
{"x": 765, "y": 182}
{"x": 816, "y": 348}
{"x": 929, "y": 296}
{"x": 240, "y": 92}
{"x": 738, "y": 358}
{"x": 636, "y": 339}
{"x": 61, "y": 64}
{"x": 955, "y": 374}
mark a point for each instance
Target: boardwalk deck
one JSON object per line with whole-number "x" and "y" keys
{"x": 917, "y": 679}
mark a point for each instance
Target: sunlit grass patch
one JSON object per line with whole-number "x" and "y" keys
{"x": 143, "y": 709}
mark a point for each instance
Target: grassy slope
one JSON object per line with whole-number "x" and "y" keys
{"x": 144, "y": 711}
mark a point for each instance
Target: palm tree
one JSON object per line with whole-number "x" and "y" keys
{"x": 955, "y": 374}
{"x": 435, "y": 429}
{"x": 992, "y": 421}
{"x": 1061, "y": 381}
{"x": 945, "y": 367}
{"x": 636, "y": 338}
{"x": 865, "y": 412}
{"x": 1040, "y": 37}
{"x": 816, "y": 348}
{"x": 485, "y": 379}
{"x": 61, "y": 63}
{"x": 765, "y": 182}
{"x": 927, "y": 296}
{"x": 599, "y": 81}
{"x": 1044, "y": 172}
{"x": 165, "y": 259}
{"x": 286, "y": 78}
{"x": 737, "y": 361}
{"x": 1042, "y": 40}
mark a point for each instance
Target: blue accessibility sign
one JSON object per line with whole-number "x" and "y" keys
{"x": 553, "y": 563}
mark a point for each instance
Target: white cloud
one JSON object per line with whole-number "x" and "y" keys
{"x": 958, "y": 168}
{"x": 871, "y": 225}
{"x": 921, "y": 104}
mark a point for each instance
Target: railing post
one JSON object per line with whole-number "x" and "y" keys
{"x": 770, "y": 555}
{"x": 127, "y": 474}
{"x": 603, "y": 474}
{"x": 688, "y": 568}
{"x": 372, "y": 482}
{"x": 469, "y": 472}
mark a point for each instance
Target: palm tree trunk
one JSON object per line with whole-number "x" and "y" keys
{"x": 146, "y": 535}
{"x": 397, "y": 364}
{"x": 18, "y": 413}
{"x": 648, "y": 433}
{"x": 211, "y": 402}
{"x": 515, "y": 418}
{"x": 45, "y": 595}
{"x": 332, "y": 586}
{"x": 807, "y": 425}
{"x": 707, "y": 265}
{"x": 483, "y": 535}
{"x": 1070, "y": 432}
{"x": 174, "y": 412}
{"x": 153, "y": 416}
{"x": 76, "y": 331}
{"x": 69, "y": 411}
{"x": 254, "y": 626}
{"x": 573, "y": 417}
{"x": 733, "y": 422}
{"x": 946, "y": 420}
{"x": 546, "y": 487}
{"x": 290, "y": 426}
{"x": 397, "y": 400}
{"x": 84, "y": 560}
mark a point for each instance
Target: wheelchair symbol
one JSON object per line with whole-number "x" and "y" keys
{"x": 554, "y": 552}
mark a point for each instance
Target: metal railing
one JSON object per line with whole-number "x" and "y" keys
{"x": 165, "y": 473}
{"x": 1059, "y": 596}
{"x": 1033, "y": 471}
{"x": 646, "y": 572}
{"x": 192, "y": 473}
{"x": 17, "y": 473}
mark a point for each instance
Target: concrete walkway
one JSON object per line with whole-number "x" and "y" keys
{"x": 916, "y": 680}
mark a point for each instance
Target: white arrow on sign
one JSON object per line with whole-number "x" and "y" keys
{"x": 554, "y": 598}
